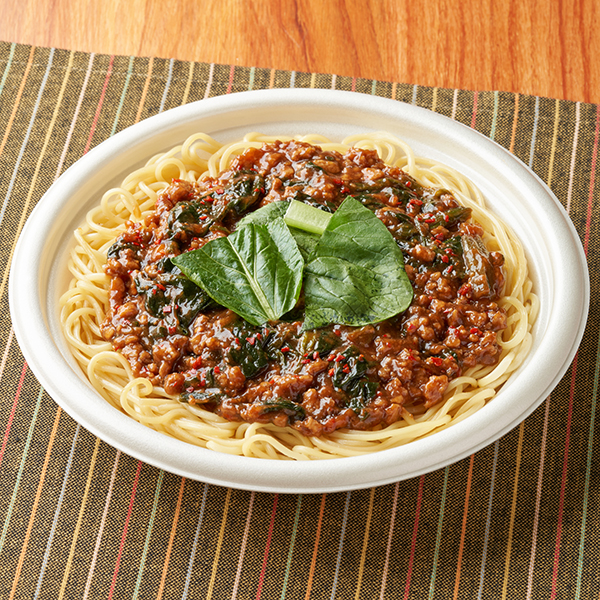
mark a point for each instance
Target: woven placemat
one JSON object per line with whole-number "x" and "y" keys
{"x": 78, "y": 519}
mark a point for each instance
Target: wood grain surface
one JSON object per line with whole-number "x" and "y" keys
{"x": 541, "y": 47}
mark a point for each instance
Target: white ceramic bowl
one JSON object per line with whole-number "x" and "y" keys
{"x": 517, "y": 195}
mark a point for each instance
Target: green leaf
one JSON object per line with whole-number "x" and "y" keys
{"x": 249, "y": 350}
{"x": 355, "y": 275}
{"x": 305, "y": 241}
{"x": 256, "y": 271}
{"x": 265, "y": 215}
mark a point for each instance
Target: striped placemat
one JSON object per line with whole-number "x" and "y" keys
{"x": 78, "y": 519}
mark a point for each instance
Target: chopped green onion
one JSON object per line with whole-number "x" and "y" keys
{"x": 306, "y": 217}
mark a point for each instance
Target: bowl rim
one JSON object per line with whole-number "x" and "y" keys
{"x": 34, "y": 321}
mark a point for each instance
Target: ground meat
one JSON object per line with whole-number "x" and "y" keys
{"x": 171, "y": 332}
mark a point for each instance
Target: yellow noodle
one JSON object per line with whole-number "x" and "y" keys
{"x": 85, "y": 303}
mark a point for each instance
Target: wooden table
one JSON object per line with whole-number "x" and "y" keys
{"x": 546, "y": 48}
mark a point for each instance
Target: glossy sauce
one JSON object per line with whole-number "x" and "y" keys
{"x": 172, "y": 333}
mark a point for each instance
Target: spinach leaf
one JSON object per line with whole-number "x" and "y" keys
{"x": 321, "y": 342}
{"x": 115, "y": 249}
{"x": 249, "y": 350}
{"x": 256, "y": 271}
{"x": 291, "y": 409}
{"x": 202, "y": 396}
{"x": 265, "y": 215}
{"x": 350, "y": 376}
{"x": 186, "y": 218}
{"x": 355, "y": 275}
{"x": 305, "y": 241}
{"x": 240, "y": 193}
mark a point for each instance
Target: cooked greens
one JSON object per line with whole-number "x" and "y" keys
{"x": 256, "y": 271}
{"x": 353, "y": 273}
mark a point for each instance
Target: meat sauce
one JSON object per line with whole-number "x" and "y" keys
{"x": 317, "y": 381}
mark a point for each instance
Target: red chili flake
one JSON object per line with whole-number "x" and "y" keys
{"x": 305, "y": 361}
{"x": 258, "y": 336}
{"x": 445, "y": 259}
{"x": 220, "y": 191}
{"x": 330, "y": 372}
{"x": 202, "y": 382}
{"x": 203, "y": 217}
{"x": 217, "y": 369}
{"x": 262, "y": 190}
{"x": 346, "y": 369}
{"x": 285, "y": 349}
{"x": 251, "y": 340}
{"x": 166, "y": 309}
{"x": 209, "y": 199}
{"x": 474, "y": 330}
{"x": 160, "y": 286}
{"x": 378, "y": 393}
{"x": 338, "y": 182}
{"x": 237, "y": 340}
{"x": 337, "y": 332}
{"x": 446, "y": 218}
{"x": 436, "y": 361}
{"x": 315, "y": 355}
{"x": 190, "y": 389}
{"x": 172, "y": 329}
{"x": 339, "y": 358}
{"x": 464, "y": 289}
{"x": 197, "y": 363}
{"x": 430, "y": 220}
{"x": 408, "y": 183}
{"x": 361, "y": 357}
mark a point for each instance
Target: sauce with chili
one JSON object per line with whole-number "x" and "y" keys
{"x": 174, "y": 334}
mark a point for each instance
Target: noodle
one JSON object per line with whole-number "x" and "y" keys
{"x": 85, "y": 304}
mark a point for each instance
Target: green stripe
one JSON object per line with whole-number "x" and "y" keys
{"x": 7, "y": 68}
{"x": 123, "y": 94}
{"x": 495, "y": 117}
{"x": 21, "y": 468}
{"x": 588, "y": 470}
{"x": 291, "y": 551}
{"x": 138, "y": 582}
